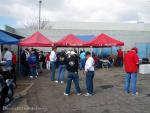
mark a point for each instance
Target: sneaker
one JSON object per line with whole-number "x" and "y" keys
{"x": 87, "y": 94}
{"x": 36, "y": 76}
{"x": 135, "y": 94}
{"x": 78, "y": 94}
{"x": 66, "y": 94}
{"x": 31, "y": 76}
{"x": 56, "y": 81}
{"x": 62, "y": 82}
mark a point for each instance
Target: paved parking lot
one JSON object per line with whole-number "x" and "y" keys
{"x": 47, "y": 97}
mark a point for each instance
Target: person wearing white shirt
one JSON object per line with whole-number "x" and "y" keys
{"x": 89, "y": 69}
{"x": 53, "y": 59}
{"x": 8, "y": 57}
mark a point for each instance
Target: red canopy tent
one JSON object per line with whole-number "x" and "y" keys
{"x": 36, "y": 40}
{"x": 104, "y": 40}
{"x": 70, "y": 41}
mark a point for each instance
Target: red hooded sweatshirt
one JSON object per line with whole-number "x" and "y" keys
{"x": 131, "y": 61}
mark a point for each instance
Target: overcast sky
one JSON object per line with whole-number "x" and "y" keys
{"x": 17, "y": 12}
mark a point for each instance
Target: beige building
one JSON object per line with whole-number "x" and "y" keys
{"x": 132, "y": 34}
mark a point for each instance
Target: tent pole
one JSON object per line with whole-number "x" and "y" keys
{"x": 147, "y": 50}
{"x": 111, "y": 50}
{"x": 91, "y": 50}
{"x": 18, "y": 59}
{"x": 102, "y": 52}
{"x": 0, "y": 54}
{"x": 78, "y": 51}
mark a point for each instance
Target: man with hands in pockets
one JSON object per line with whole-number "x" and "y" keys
{"x": 89, "y": 70}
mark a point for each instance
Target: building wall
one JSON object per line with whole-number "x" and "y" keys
{"x": 131, "y": 34}
{"x": 130, "y": 38}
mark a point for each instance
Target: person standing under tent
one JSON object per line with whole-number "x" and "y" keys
{"x": 82, "y": 60}
{"x": 26, "y": 64}
{"x": 61, "y": 67}
{"x": 131, "y": 61}
{"x": 53, "y": 59}
{"x": 33, "y": 64}
{"x": 8, "y": 57}
{"x": 41, "y": 60}
{"x": 36, "y": 52}
{"x": 72, "y": 68}
{"x": 47, "y": 59}
{"x": 120, "y": 57}
{"x": 89, "y": 70}
{"x": 14, "y": 61}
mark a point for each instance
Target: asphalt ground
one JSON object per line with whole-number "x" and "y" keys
{"x": 46, "y": 96}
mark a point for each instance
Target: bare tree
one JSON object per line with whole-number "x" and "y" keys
{"x": 34, "y": 24}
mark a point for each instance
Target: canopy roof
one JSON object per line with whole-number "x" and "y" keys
{"x": 13, "y": 35}
{"x": 104, "y": 40}
{"x": 7, "y": 39}
{"x": 70, "y": 41}
{"x": 36, "y": 40}
{"x": 86, "y": 38}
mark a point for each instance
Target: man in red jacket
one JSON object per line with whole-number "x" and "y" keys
{"x": 131, "y": 61}
{"x": 120, "y": 57}
{"x": 14, "y": 61}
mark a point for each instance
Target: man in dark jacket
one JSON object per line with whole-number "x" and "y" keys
{"x": 72, "y": 68}
{"x": 25, "y": 69}
{"x": 61, "y": 67}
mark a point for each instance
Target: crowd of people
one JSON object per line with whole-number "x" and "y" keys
{"x": 34, "y": 61}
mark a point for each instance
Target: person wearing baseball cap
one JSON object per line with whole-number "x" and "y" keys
{"x": 72, "y": 68}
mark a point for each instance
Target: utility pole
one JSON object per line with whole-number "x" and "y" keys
{"x": 40, "y": 2}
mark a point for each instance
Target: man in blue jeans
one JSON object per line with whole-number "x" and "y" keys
{"x": 53, "y": 59}
{"x": 72, "y": 67}
{"x": 61, "y": 67}
{"x": 89, "y": 69}
{"x": 32, "y": 63}
{"x": 131, "y": 61}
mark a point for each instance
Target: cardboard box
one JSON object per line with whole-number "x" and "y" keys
{"x": 144, "y": 69}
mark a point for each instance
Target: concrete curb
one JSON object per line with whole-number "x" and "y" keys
{"x": 25, "y": 91}
{"x": 20, "y": 94}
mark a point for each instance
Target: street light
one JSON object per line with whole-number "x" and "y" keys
{"x": 40, "y": 2}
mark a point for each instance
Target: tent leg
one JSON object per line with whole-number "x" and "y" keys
{"x": 91, "y": 50}
{"x": 78, "y": 51}
{"x": 18, "y": 59}
{"x": 102, "y": 52}
{"x": 111, "y": 51}
{"x": 147, "y": 50}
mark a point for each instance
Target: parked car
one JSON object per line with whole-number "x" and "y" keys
{"x": 7, "y": 85}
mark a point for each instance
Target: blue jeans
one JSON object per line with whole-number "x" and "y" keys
{"x": 120, "y": 62}
{"x": 33, "y": 71}
{"x": 25, "y": 69}
{"x": 61, "y": 71}
{"x": 8, "y": 63}
{"x": 82, "y": 63}
{"x": 53, "y": 64}
{"x": 75, "y": 77}
{"x": 130, "y": 77}
{"x": 89, "y": 81}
